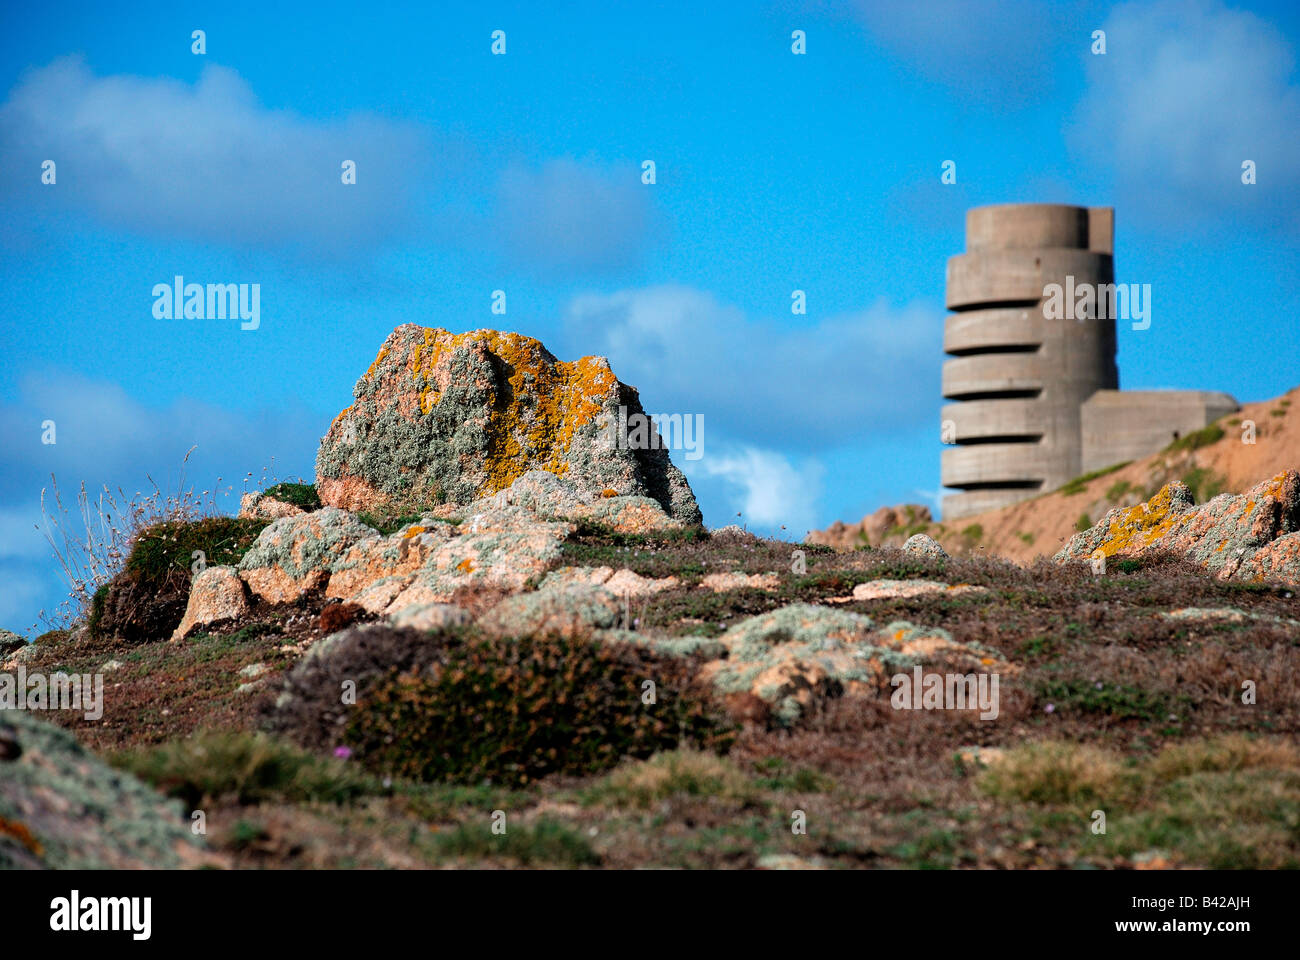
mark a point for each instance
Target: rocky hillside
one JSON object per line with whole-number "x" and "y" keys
{"x": 1212, "y": 461}
{"x": 388, "y": 682}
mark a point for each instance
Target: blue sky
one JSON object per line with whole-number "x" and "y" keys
{"x": 522, "y": 172}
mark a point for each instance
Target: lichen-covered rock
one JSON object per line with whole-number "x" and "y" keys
{"x": 10, "y": 642}
{"x": 451, "y": 418}
{"x": 216, "y": 595}
{"x": 549, "y": 497}
{"x": 298, "y": 554}
{"x": 499, "y": 554}
{"x": 722, "y": 582}
{"x": 570, "y": 611}
{"x": 256, "y": 505}
{"x": 797, "y": 657}
{"x": 1229, "y": 614}
{"x": 61, "y": 807}
{"x": 377, "y": 558}
{"x": 431, "y": 616}
{"x": 378, "y": 596}
{"x": 1278, "y": 561}
{"x": 1235, "y": 536}
{"x": 906, "y": 589}
{"x": 545, "y": 494}
{"x": 621, "y": 583}
{"x": 627, "y": 515}
{"x": 924, "y": 546}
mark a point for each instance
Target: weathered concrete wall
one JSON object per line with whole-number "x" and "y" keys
{"x": 1127, "y": 425}
{"x": 1018, "y": 378}
{"x": 1037, "y": 400}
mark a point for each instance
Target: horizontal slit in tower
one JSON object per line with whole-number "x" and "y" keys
{"x": 1006, "y": 438}
{"x": 999, "y": 485}
{"x": 997, "y": 305}
{"x": 1000, "y": 348}
{"x": 995, "y": 395}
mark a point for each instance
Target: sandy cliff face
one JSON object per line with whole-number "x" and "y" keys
{"x": 1215, "y": 460}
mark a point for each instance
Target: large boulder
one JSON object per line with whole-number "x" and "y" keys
{"x": 1250, "y": 536}
{"x": 443, "y": 418}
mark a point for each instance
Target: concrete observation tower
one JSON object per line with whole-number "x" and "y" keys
{"x": 1035, "y": 402}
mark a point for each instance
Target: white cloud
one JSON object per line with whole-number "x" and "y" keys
{"x": 208, "y": 161}
{"x": 986, "y": 50}
{"x": 766, "y": 489}
{"x": 1188, "y": 90}
{"x": 874, "y": 370}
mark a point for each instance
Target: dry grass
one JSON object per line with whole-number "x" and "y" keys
{"x": 1051, "y": 772}
{"x": 92, "y": 540}
{"x": 675, "y": 774}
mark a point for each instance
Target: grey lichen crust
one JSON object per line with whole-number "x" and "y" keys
{"x": 449, "y": 419}
{"x": 76, "y": 812}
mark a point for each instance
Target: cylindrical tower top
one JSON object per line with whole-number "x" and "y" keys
{"x": 1019, "y": 226}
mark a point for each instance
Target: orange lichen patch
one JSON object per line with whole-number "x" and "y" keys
{"x": 383, "y": 352}
{"x": 413, "y": 531}
{"x": 1143, "y": 524}
{"x": 465, "y": 566}
{"x": 23, "y": 835}
{"x": 346, "y": 410}
{"x": 532, "y": 425}
{"x": 607, "y": 493}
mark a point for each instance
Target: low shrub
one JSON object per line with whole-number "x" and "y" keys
{"x": 1052, "y": 773}
{"x": 513, "y": 711}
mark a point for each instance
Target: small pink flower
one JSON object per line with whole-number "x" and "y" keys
{"x": 342, "y": 752}
{"x": 1050, "y": 708}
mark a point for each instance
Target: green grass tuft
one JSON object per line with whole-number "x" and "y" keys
{"x": 1197, "y": 439}
{"x": 1080, "y": 483}
{"x": 299, "y": 494}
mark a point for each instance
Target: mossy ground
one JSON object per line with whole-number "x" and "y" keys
{"x": 1116, "y": 707}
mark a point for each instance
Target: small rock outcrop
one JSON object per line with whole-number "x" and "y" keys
{"x": 1253, "y": 536}
{"x": 924, "y": 546}
{"x": 795, "y": 658}
{"x": 216, "y": 594}
{"x": 10, "y": 642}
{"x": 887, "y": 523}
{"x": 260, "y": 506}
{"x": 443, "y": 418}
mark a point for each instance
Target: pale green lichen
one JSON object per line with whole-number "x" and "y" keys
{"x": 302, "y": 544}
